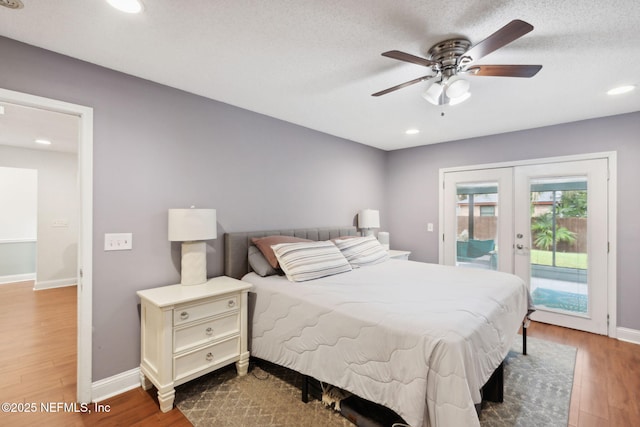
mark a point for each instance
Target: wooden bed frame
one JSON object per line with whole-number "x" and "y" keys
{"x": 236, "y": 265}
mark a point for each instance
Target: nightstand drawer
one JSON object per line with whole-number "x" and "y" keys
{"x": 190, "y": 363}
{"x": 195, "y": 335}
{"x": 192, "y": 312}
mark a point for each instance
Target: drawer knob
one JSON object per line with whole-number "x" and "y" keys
{"x": 209, "y": 357}
{"x": 209, "y": 330}
{"x": 231, "y": 303}
{"x": 184, "y": 315}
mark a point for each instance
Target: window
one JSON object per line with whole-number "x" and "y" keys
{"x": 487, "y": 211}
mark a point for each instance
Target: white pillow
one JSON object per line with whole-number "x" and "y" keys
{"x": 310, "y": 260}
{"x": 362, "y": 251}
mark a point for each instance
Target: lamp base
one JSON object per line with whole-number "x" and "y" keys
{"x": 194, "y": 263}
{"x": 367, "y": 232}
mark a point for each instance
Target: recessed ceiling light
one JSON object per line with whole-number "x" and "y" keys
{"x": 412, "y": 131}
{"x": 43, "y": 141}
{"x": 620, "y": 90}
{"x": 12, "y": 4}
{"x": 127, "y": 6}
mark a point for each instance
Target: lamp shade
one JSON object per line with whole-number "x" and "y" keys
{"x": 433, "y": 92}
{"x": 188, "y": 225}
{"x": 369, "y": 218}
{"x": 457, "y": 87}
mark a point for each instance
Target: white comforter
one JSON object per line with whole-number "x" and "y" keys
{"x": 418, "y": 338}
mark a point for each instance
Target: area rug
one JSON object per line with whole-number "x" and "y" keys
{"x": 537, "y": 393}
{"x": 537, "y": 387}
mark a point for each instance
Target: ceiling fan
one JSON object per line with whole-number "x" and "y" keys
{"x": 450, "y": 60}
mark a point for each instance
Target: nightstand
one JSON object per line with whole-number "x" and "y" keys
{"x": 189, "y": 331}
{"x": 399, "y": 254}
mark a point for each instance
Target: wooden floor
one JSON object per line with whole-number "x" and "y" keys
{"x": 606, "y": 381}
{"x": 38, "y": 366}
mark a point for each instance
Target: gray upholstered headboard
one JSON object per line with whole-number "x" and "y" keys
{"x": 236, "y": 245}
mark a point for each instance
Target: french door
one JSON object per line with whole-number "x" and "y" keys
{"x": 478, "y": 217}
{"x": 546, "y": 223}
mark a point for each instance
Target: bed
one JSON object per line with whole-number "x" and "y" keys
{"x": 421, "y": 339}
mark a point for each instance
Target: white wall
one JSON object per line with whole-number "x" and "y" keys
{"x": 18, "y": 224}
{"x": 18, "y": 204}
{"x": 57, "y": 212}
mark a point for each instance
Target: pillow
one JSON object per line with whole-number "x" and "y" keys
{"x": 310, "y": 260}
{"x": 259, "y": 263}
{"x": 343, "y": 238}
{"x": 265, "y": 243}
{"x": 362, "y": 251}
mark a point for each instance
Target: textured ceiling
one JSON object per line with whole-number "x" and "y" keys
{"x": 21, "y": 126}
{"x": 316, "y": 63}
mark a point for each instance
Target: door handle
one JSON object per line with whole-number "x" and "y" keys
{"x": 519, "y": 246}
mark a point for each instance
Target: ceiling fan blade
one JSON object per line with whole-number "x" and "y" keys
{"x": 407, "y": 57}
{"x": 400, "y": 86}
{"x": 505, "y": 35}
{"x": 504, "y": 70}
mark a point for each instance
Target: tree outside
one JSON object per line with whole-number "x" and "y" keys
{"x": 547, "y": 233}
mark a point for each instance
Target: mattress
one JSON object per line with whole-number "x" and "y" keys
{"x": 421, "y": 339}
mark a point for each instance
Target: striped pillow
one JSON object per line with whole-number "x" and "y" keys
{"x": 362, "y": 251}
{"x": 310, "y": 260}
{"x": 265, "y": 243}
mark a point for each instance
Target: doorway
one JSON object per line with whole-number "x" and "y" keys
{"x": 547, "y": 221}
{"x": 85, "y": 231}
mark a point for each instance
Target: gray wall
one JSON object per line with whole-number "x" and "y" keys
{"x": 157, "y": 148}
{"x": 412, "y": 187}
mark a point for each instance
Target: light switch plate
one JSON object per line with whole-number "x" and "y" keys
{"x": 118, "y": 241}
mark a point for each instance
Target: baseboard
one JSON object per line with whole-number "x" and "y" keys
{"x": 629, "y": 335}
{"x": 17, "y": 278}
{"x": 117, "y": 384}
{"x": 50, "y": 284}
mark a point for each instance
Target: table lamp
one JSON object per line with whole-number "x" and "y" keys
{"x": 192, "y": 227}
{"x": 368, "y": 219}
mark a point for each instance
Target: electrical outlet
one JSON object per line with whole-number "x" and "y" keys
{"x": 118, "y": 241}
{"x": 430, "y": 227}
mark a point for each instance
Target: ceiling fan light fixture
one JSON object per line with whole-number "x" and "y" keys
{"x": 433, "y": 92}
{"x": 456, "y": 87}
{"x": 460, "y": 99}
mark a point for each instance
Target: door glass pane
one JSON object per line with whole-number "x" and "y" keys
{"x": 559, "y": 244}
{"x": 477, "y": 219}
